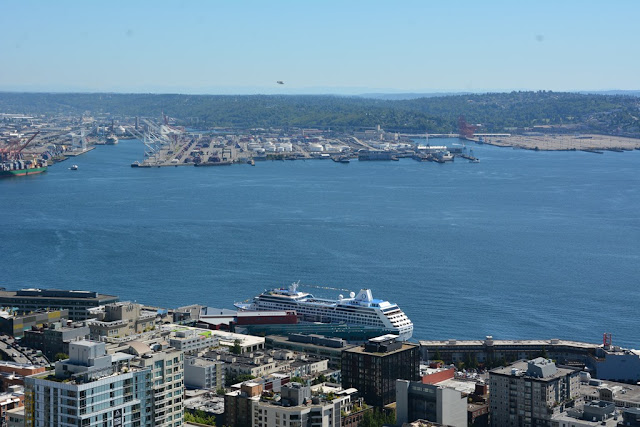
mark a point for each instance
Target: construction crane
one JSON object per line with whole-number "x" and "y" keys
{"x": 10, "y": 154}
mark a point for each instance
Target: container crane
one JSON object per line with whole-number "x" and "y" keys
{"x": 10, "y": 154}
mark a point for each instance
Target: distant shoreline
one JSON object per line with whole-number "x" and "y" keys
{"x": 589, "y": 142}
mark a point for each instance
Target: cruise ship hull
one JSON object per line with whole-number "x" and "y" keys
{"x": 361, "y": 310}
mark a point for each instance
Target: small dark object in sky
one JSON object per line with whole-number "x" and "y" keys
{"x": 280, "y": 82}
{"x": 540, "y": 37}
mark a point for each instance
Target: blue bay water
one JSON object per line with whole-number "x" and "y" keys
{"x": 521, "y": 245}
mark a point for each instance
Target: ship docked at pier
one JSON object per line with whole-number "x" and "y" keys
{"x": 22, "y": 168}
{"x": 361, "y": 309}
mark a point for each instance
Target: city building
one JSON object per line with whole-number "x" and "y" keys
{"x": 616, "y": 364}
{"x": 238, "y": 405}
{"x": 216, "y": 318}
{"x": 90, "y": 388}
{"x": 14, "y": 324}
{"x": 120, "y": 319}
{"x": 196, "y": 339}
{"x": 193, "y": 340}
{"x": 15, "y": 417}
{"x": 54, "y": 338}
{"x": 529, "y": 393}
{"x": 203, "y": 373}
{"x": 76, "y": 302}
{"x": 591, "y": 414}
{"x": 605, "y": 361}
{"x": 622, "y": 395}
{"x": 298, "y": 408}
{"x": 13, "y": 374}
{"x": 489, "y": 350}
{"x": 444, "y": 405}
{"x": 259, "y": 364}
{"x": 631, "y": 417}
{"x": 166, "y": 365}
{"x": 374, "y": 367}
{"x": 314, "y": 345}
{"x": 10, "y": 400}
{"x": 207, "y": 402}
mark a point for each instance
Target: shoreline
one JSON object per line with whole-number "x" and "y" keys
{"x": 587, "y": 142}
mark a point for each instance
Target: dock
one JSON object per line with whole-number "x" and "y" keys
{"x": 78, "y": 153}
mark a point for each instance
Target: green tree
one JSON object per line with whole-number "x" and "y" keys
{"x": 200, "y": 417}
{"x": 320, "y": 379}
{"x": 237, "y": 348}
{"x": 233, "y": 378}
{"x": 377, "y": 418}
{"x": 60, "y": 356}
{"x": 470, "y": 361}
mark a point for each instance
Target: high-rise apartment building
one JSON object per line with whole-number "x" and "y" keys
{"x": 167, "y": 376}
{"x": 525, "y": 392}
{"x": 91, "y": 388}
{"x": 374, "y": 368}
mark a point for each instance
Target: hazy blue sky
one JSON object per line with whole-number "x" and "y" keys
{"x": 318, "y": 46}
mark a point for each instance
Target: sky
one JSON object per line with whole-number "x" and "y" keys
{"x": 313, "y": 46}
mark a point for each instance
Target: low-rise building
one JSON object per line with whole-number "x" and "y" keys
{"x": 630, "y": 417}
{"x": 261, "y": 364}
{"x": 13, "y": 374}
{"x": 591, "y": 414}
{"x": 314, "y": 345}
{"x": 193, "y": 340}
{"x": 605, "y": 361}
{"x": 240, "y": 343}
{"x": 15, "y": 417}
{"x": 622, "y": 395}
{"x": 616, "y": 364}
{"x": 298, "y": 408}
{"x": 120, "y": 319}
{"x": 203, "y": 373}
{"x": 76, "y": 302}
{"x": 54, "y": 338}
{"x": 209, "y": 403}
{"x": 15, "y": 324}
{"x": 10, "y": 400}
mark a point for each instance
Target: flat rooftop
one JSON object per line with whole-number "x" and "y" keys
{"x": 284, "y": 340}
{"x": 467, "y": 387}
{"x": 225, "y": 338}
{"x": 360, "y": 349}
{"x": 621, "y": 391}
{"x": 35, "y": 293}
{"x": 508, "y": 343}
{"x": 523, "y": 365}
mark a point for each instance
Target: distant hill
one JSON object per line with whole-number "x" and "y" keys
{"x": 613, "y": 92}
{"x": 404, "y": 96}
{"x": 610, "y": 114}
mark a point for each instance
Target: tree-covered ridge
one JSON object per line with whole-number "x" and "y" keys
{"x": 495, "y": 111}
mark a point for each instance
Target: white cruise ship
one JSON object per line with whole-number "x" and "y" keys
{"x": 361, "y": 309}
